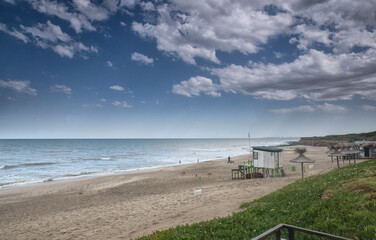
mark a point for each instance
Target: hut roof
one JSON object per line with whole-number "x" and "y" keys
{"x": 302, "y": 159}
{"x": 337, "y": 154}
{"x": 330, "y": 151}
{"x": 268, "y": 149}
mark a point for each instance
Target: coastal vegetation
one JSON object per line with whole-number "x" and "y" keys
{"x": 341, "y": 202}
{"x": 347, "y": 137}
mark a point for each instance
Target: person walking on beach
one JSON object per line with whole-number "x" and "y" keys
{"x": 228, "y": 159}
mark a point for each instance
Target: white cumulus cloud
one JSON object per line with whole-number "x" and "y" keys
{"x": 109, "y": 64}
{"x": 315, "y": 75}
{"x": 369, "y": 108}
{"x": 195, "y": 86}
{"x": 138, "y": 57}
{"x": 326, "y": 107}
{"x": 61, "y": 89}
{"x": 117, "y": 88}
{"x": 191, "y": 29}
{"x": 123, "y": 104}
{"x": 19, "y": 86}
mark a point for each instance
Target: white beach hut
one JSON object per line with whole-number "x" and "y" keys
{"x": 268, "y": 158}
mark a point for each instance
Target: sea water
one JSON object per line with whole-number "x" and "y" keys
{"x": 42, "y": 160}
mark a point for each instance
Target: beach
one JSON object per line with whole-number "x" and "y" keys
{"x": 131, "y": 205}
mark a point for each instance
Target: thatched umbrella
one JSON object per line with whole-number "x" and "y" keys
{"x": 301, "y": 158}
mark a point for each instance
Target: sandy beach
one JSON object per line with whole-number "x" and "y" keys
{"x": 131, "y": 205}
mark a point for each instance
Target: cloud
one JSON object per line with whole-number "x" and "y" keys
{"x": 331, "y": 108}
{"x": 369, "y": 108}
{"x": 103, "y": 100}
{"x": 191, "y": 29}
{"x": 109, "y": 64}
{"x": 98, "y": 105}
{"x": 61, "y": 89}
{"x": 138, "y": 57}
{"x": 77, "y": 21}
{"x": 326, "y": 107}
{"x": 49, "y": 36}
{"x": 276, "y": 94}
{"x": 82, "y": 14}
{"x": 310, "y": 34}
{"x": 14, "y": 33}
{"x": 117, "y": 88}
{"x": 13, "y": 2}
{"x": 19, "y": 86}
{"x": 128, "y": 3}
{"x": 92, "y": 11}
{"x": 147, "y": 6}
{"x": 278, "y": 55}
{"x": 123, "y": 24}
{"x": 47, "y": 32}
{"x": 304, "y": 108}
{"x": 315, "y": 76}
{"x": 195, "y": 86}
{"x": 123, "y": 104}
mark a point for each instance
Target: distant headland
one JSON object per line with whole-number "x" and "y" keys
{"x": 334, "y": 139}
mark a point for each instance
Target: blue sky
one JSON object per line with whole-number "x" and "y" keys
{"x": 186, "y": 69}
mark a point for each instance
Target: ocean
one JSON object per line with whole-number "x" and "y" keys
{"x": 31, "y": 161}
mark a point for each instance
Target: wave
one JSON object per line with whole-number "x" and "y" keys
{"x": 4, "y": 167}
{"x": 37, "y": 164}
{"x": 99, "y": 159}
{"x": 79, "y": 174}
{"x": 45, "y": 180}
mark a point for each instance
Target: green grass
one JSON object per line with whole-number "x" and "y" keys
{"x": 342, "y": 202}
{"x": 348, "y": 137}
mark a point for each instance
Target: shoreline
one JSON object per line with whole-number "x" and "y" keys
{"x": 84, "y": 176}
{"x": 130, "y": 205}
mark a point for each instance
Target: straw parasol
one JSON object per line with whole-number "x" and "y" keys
{"x": 301, "y": 158}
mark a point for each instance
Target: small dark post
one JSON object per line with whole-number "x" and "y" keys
{"x": 278, "y": 235}
{"x": 291, "y": 234}
{"x": 337, "y": 162}
{"x": 302, "y": 170}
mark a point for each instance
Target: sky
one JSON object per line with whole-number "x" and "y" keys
{"x": 186, "y": 69}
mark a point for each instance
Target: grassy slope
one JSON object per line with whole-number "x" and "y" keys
{"x": 342, "y": 202}
{"x": 348, "y": 137}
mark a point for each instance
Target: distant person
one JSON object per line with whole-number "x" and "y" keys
{"x": 228, "y": 159}
{"x": 198, "y": 160}
{"x": 179, "y": 162}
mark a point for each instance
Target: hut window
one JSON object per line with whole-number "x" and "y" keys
{"x": 271, "y": 154}
{"x": 255, "y": 155}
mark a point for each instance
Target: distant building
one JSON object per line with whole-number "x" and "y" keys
{"x": 267, "y": 157}
{"x": 367, "y": 148}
